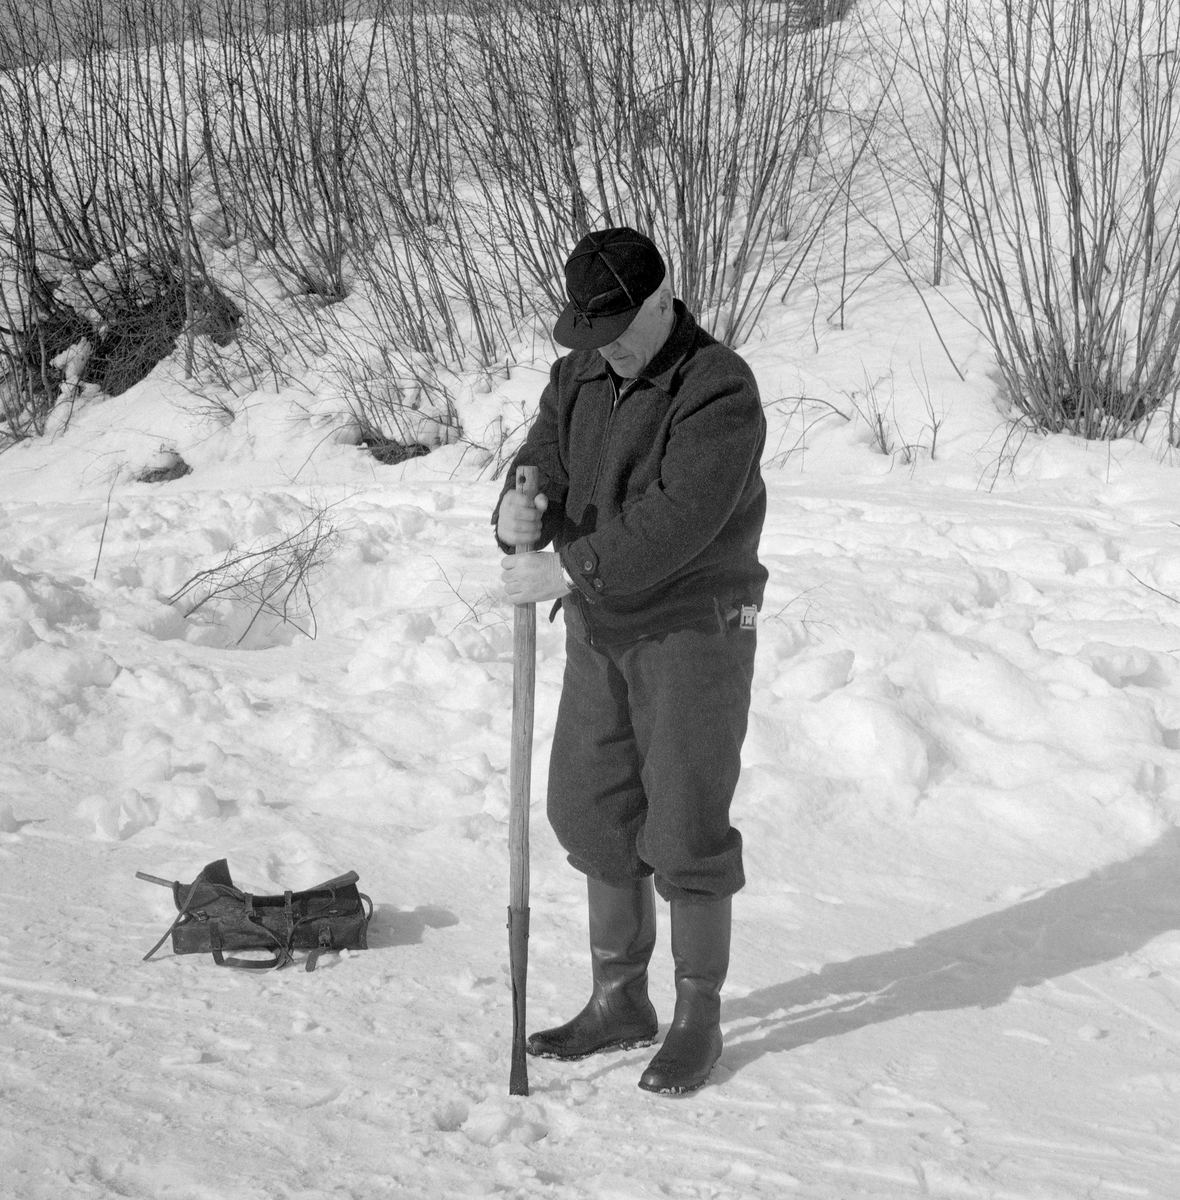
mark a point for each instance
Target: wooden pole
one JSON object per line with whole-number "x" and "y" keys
{"x": 524, "y": 672}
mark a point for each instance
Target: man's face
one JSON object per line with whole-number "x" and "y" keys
{"x": 638, "y": 344}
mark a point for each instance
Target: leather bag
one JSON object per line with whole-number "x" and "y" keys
{"x": 214, "y": 917}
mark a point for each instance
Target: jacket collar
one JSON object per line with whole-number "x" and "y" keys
{"x": 663, "y": 366}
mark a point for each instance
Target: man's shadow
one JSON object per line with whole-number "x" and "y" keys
{"x": 1111, "y": 912}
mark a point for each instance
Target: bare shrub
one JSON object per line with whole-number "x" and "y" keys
{"x": 877, "y": 413}
{"x": 96, "y": 180}
{"x": 431, "y": 165}
{"x": 699, "y": 122}
{"x": 1059, "y": 123}
{"x": 272, "y": 580}
{"x": 282, "y": 93}
{"x": 401, "y": 405}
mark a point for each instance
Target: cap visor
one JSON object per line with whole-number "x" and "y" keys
{"x": 577, "y": 333}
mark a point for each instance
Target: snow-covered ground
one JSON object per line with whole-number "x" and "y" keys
{"x": 956, "y": 969}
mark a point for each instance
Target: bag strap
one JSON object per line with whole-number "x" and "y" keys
{"x": 325, "y": 938}
{"x": 325, "y": 944}
{"x": 332, "y": 885}
{"x": 179, "y": 916}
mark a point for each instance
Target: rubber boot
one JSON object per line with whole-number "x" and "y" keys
{"x": 619, "y": 1014}
{"x": 700, "y": 950}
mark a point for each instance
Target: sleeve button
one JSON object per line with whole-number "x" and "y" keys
{"x": 587, "y": 566}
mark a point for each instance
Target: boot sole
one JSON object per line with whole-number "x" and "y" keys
{"x": 622, "y": 1044}
{"x": 675, "y": 1091}
{"x": 682, "y": 1089}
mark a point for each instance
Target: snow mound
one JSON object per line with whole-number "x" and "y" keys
{"x": 494, "y": 1121}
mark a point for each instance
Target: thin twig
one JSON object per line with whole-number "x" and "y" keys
{"x": 1148, "y": 586}
{"x": 103, "y": 536}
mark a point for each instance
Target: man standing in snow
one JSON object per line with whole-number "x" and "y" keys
{"x": 648, "y": 442}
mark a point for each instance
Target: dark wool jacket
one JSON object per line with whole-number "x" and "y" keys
{"x": 656, "y": 499}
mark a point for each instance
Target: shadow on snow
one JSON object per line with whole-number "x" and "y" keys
{"x": 1111, "y": 912}
{"x": 391, "y": 926}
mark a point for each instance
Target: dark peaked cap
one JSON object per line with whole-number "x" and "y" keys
{"x": 609, "y": 275}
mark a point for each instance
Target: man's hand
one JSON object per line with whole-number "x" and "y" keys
{"x": 519, "y": 522}
{"x": 532, "y": 577}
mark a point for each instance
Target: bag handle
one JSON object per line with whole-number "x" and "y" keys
{"x": 246, "y": 964}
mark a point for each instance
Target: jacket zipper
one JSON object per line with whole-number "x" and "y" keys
{"x": 614, "y": 404}
{"x": 616, "y": 396}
